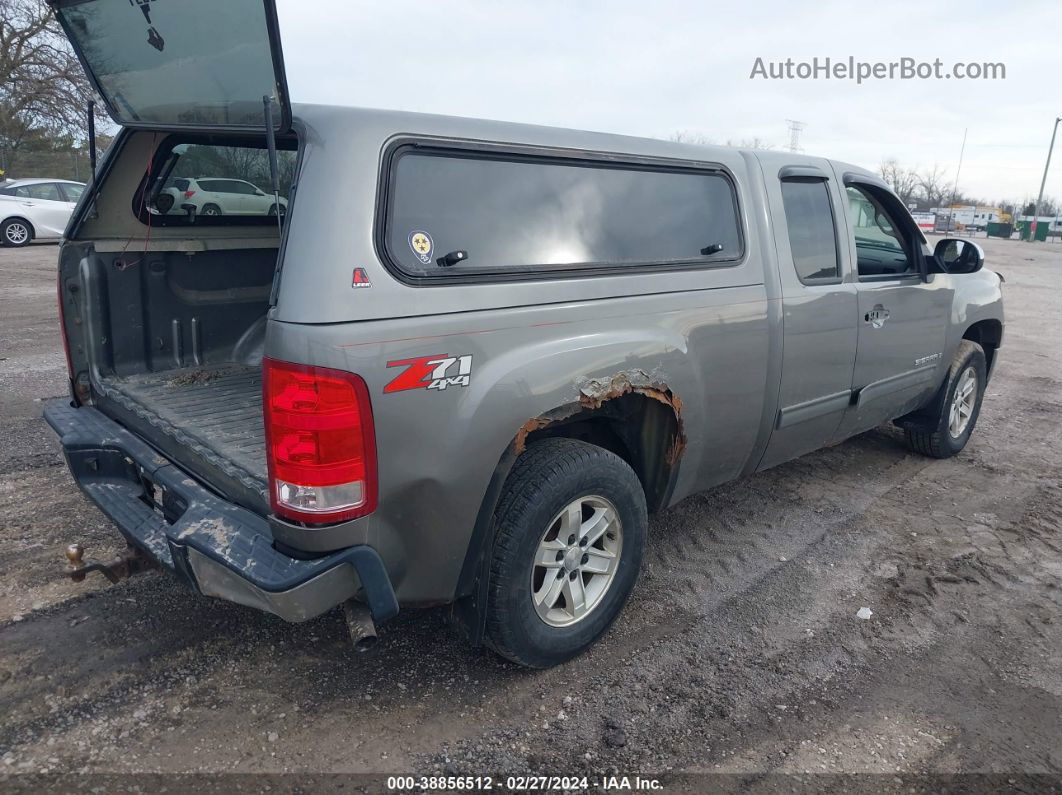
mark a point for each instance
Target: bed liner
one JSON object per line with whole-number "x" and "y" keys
{"x": 212, "y": 412}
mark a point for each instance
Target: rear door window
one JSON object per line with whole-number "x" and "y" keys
{"x": 456, "y": 213}
{"x": 243, "y": 188}
{"x": 812, "y": 232}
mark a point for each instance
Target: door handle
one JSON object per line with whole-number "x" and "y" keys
{"x": 877, "y": 316}
{"x": 28, "y": 204}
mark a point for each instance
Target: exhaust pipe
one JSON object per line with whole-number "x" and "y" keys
{"x": 361, "y": 626}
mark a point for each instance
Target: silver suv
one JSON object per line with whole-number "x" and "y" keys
{"x": 473, "y": 356}
{"x": 217, "y": 196}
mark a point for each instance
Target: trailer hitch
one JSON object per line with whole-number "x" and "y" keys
{"x": 127, "y": 563}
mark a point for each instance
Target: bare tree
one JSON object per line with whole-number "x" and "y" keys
{"x": 903, "y": 181}
{"x": 1048, "y": 207}
{"x": 934, "y": 187}
{"x": 690, "y": 137}
{"x": 750, "y": 143}
{"x": 693, "y": 137}
{"x": 42, "y": 85}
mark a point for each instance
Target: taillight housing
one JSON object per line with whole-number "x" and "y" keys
{"x": 62, "y": 323}
{"x": 189, "y": 194}
{"x": 320, "y": 443}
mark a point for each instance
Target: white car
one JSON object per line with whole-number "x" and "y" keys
{"x": 36, "y": 209}
{"x": 217, "y": 196}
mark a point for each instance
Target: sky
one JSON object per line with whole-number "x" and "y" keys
{"x": 655, "y": 68}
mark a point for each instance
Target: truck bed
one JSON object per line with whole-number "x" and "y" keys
{"x": 210, "y": 414}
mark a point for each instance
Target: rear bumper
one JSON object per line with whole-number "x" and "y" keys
{"x": 216, "y": 547}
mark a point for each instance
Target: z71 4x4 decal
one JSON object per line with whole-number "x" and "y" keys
{"x": 431, "y": 372}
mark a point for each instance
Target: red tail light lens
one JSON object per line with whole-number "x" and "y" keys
{"x": 320, "y": 442}
{"x": 189, "y": 194}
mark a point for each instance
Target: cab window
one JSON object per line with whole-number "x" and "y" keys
{"x": 812, "y": 236}
{"x": 882, "y": 249}
{"x": 201, "y": 180}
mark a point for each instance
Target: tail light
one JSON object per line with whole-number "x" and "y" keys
{"x": 320, "y": 442}
{"x": 189, "y": 194}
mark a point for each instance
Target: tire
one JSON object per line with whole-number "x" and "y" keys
{"x": 164, "y": 203}
{"x": 210, "y": 209}
{"x": 16, "y": 233}
{"x": 533, "y": 512}
{"x": 273, "y": 210}
{"x": 949, "y": 430}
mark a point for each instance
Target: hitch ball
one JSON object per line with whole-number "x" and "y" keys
{"x": 75, "y": 553}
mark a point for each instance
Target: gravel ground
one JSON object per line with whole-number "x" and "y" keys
{"x": 740, "y": 652}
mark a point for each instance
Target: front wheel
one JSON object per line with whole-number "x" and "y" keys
{"x": 571, "y": 526}
{"x": 16, "y": 233}
{"x": 950, "y": 429}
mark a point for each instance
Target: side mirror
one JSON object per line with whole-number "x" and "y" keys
{"x": 959, "y": 256}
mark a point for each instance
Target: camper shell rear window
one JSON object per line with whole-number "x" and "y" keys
{"x": 461, "y": 213}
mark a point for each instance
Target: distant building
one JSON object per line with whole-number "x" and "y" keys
{"x": 927, "y": 222}
{"x": 960, "y": 215}
{"x": 1053, "y": 222}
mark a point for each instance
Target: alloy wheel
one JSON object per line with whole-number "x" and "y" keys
{"x": 17, "y": 233}
{"x": 576, "y": 561}
{"x": 962, "y": 403}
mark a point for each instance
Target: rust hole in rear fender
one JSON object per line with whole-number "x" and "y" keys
{"x": 596, "y": 393}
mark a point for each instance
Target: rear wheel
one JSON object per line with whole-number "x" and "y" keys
{"x": 15, "y": 232}
{"x": 954, "y": 421}
{"x": 571, "y": 527}
{"x": 210, "y": 209}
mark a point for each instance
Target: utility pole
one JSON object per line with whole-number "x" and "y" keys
{"x": 1043, "y": 182}
{"x": 794, "y": 134}
{"x": 955, "y": 186}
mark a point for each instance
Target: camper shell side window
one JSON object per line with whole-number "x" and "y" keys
{"x": 458, "y": 214}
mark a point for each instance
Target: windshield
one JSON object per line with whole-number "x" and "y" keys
{"x": 196, "y": 63}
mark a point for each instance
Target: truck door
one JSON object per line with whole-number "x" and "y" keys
{"x": 193, "y": 64}
{"x": 818, "y": 308}
{"x": 903, "y": 309}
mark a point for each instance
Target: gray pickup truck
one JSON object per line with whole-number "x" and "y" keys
{"x": 471, "y": 357}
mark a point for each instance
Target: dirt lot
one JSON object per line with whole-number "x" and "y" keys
{"x": 741, "y": 651}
